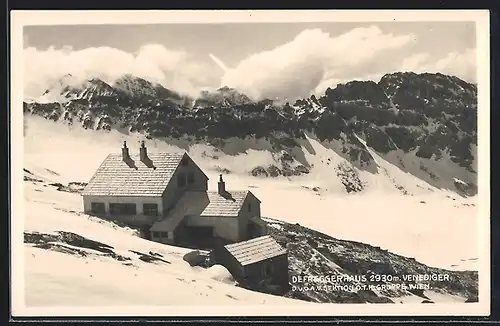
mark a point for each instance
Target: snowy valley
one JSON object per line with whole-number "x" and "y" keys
{"x": 390, "y": 221}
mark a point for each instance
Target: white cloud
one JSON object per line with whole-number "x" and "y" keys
{"x": 218, "y": 62}
{"x": 414, "y": 62}
{"x": 459, "y": 64}
{"x": 308, "y": 64}
{"x": 462, "y": 65}
{"x": 173, "y": 69}
{"x": 295, "y": 69}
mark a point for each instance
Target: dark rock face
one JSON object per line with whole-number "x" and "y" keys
{"x": 70, "y": 243}
{"x": 445, "y": 108}
{"x": 465, "y": 189}
{"x": 357, "y": 268}
{"x": 429, "y": 115}
{"x": 349, "y": 178}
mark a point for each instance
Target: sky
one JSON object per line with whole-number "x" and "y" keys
{"x": 263, "y": 60}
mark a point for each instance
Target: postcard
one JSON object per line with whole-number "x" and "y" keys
{"x": 250, "y": 163}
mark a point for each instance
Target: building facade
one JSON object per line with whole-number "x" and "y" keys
{"x": 229, "y": 216}
{"x": 167, "y": 194}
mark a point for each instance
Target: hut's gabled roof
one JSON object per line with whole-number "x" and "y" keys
{"x": 255, "y": 250}
{"x": 229, "y": 205}
{"x": 116, "y": 177}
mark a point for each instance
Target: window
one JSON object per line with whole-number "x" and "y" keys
{"x": 150, "y": 209}
{"x": 184, "y": 161}
{"x": 157, "y": 234}
{"x": 249, "y": 207}
{"x": 181, "y": 180}
{"x": 97, "y": 208}
{"x": 122, "y": 209}
{"x": 190, "y": 178}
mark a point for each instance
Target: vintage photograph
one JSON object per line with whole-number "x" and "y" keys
{"x": 251, "y": 161}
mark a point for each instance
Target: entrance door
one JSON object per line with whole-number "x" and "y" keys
{"x": 201, "y": 236}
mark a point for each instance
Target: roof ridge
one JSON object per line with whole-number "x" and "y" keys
{"x": 250, "y": 240}
{"x": 256, "y": 249}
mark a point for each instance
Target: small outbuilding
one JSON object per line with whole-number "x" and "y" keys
{"x": 256, "y": 262}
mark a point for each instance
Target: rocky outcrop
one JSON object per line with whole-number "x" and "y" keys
{"x": 325, "y": 269}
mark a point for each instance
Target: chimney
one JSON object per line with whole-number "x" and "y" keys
{"x": 143, "y": 152}
{"x": 222, "y": 186}
{"x": 125, "y": 154}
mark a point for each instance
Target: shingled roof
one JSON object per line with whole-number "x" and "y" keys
{"x": 133, "y": 178}
{"x": 228, "y": 205}
{"x": 255, "y": 250}
{"x": 203, "y": 204}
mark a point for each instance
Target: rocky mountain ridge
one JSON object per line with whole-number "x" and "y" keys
{"x": 431, "y": 117}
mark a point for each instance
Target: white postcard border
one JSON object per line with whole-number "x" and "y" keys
{"x": 24, "y": 18}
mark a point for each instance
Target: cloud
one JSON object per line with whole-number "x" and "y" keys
{"x": 218, "y": 62}
{"x": 414, "y": 62}
{"x": 296, "y": 68}
{"x": 173, "y": 69}
{"x": 459, "y": 64}
{"x": 308, "y": 64}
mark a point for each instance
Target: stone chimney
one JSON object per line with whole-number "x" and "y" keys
{"x": 143, "y": 152}
{"x": 125, "y": 153}
{"x": 221, "y": 186}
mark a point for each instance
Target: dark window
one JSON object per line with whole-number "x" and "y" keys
{"x": 181, "y": 180}
{"x": 184, "y": 161}
{"x": 150, "y": 209}
{"x": 156, "y": 234}
{"x": 164, "y": 234}
{"x": 122, "y": 209}
{"x": 97, "y": 208}
{"x": 249, "y": 207}
{"x": 190, "y": 178}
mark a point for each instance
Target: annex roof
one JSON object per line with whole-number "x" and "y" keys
{"x": 228, "y": 206}
{"x": 255, "y": 250}
{"x": 133, "y": 178}
{"x": 203, "y": 204}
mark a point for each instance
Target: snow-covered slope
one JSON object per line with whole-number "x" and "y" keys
{"x": 437, "y": 227}
{"x": 60, "y": 278}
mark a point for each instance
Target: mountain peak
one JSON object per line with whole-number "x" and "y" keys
{"x": 224, "y": 96}
{"x": 133, "y": 86}
{"x": 226, "y": 89}
{"x": 434, "y": 89}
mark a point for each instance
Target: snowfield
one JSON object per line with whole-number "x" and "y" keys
{"x": 74, "y": 280}
{"x": 436, "y": 227}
